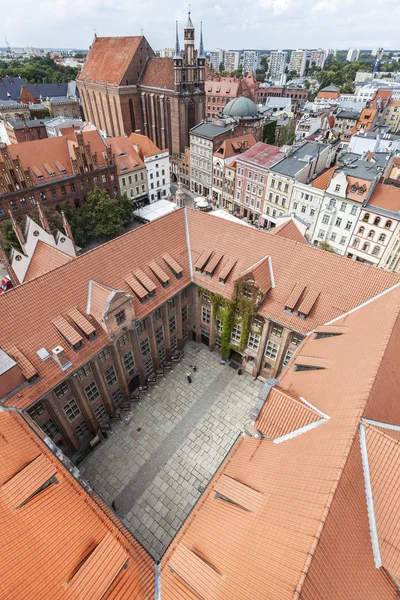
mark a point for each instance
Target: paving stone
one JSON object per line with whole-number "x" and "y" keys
{"x": 154, "y": 474}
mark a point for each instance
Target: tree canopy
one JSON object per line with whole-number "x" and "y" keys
{"x": 37, "y": 69}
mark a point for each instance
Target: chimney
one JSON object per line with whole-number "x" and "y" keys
{"x": 67, "y": 229}
{"x": 60, "y": 357}
{"x": 137, "y": 147}
{"x": 18, "y": 231}
{"x": 42, "y": 217}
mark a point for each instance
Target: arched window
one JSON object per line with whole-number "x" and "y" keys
{"x": 377, "y": 220}
{"x": 66, "y": 112}
{"x": 376, "y": 251}
{"x": 365, "y": 247}
{"x": 366, "y": 218}
{"x": 382, "y": 237}
{"x": 388, "y": 224}
{"x": 356, "y": 243}
{"x": 371, "y": 234}
{"x": 361, "y": 230}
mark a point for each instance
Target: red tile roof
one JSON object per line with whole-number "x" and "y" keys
{"x": 234, "y": 146}
{"x": 158, "y": 73}
{"x": 126, "y": 157}
{"x": 322, "y": 181}
{"x": 386, "y": 197}
{"x": 60, "y": 543}
{"x": 109, "y": 59}
{"x": 44, "y": 259}
{"x": 290, "y": 231}
{"x": 262, "y": 155}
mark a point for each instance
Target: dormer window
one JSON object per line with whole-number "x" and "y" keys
{"x": 120, "y": 317}
{"x": 301, "y": 315}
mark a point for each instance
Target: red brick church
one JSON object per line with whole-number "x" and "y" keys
{"x": 125, "y": 87}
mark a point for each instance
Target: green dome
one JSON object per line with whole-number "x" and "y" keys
{"x": 241, "y": 107}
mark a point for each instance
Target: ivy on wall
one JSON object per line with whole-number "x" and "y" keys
{"x": 226, "y": 311}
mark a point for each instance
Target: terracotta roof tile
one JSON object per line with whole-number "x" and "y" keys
{"x": 290, "y": 231}
{"x": 322, "y": 181}
{"x": 386, "y": 197}
{"x": 282, "y": 414}
{"x": 82, "y": 322}
{"x": 109, "y": 59}
{"x": 44, "y": 259}
{"x": 67, "y": 331}
{"x": 158, "y": 73}
{"x": 27, "y": 368}
{"x": 63, "y": 525}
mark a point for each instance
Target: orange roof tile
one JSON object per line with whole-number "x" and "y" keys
{"x": 83, "y": 323}
{"x": 109, "y": 58}
{"x": 145, "y": 280}
{"x": 171, "y": 262}
{"x": 27, "y": 368}
{"x": 322, "y": 181}
{"x": 47, "y": 541}
{"x": 146, "y": 146}
{"x": 282, "y": 414}
{"x": 67, "y": 331}
{"x": 290, "y": 231}
{"x": 386, "y": 197}
{"x": 45, "y": 258}
{"x": 238, "y": 493}
{"x": 126, "y": 157}
{"x": 235, "y": 146}
{"x": 158, "y": 73}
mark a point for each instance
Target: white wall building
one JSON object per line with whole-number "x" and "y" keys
{"x": 232, "y": 59}
{"x": 216, "y": 58}
{"x": 298, "y": 61}
{"x": 167, "y": 53}
{"x": 352, "y": 55}
{"x": 277, "y": 64}
{"x": 55, "y": 126}
{"x": 318, "y": 57}
{"x": 158, "y": 179}
{"x": 305, "y": 203}
{"x": 251, "y": 60}
{"x": 372, "y": 141}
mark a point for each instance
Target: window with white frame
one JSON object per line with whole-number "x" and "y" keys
{"x": 110, "y": 376}
{"x": 254, "y": 340}
{"x": 72, "y": 410}
{"x": 288, "y": 356}
{"x": 100, "y": 412}
{"x": 205, "y": 315}
{"x": 236, "y": 332}
{"x": 272, "y": 350}
{"x": 145, "y": 347}
{"x": 128, "y": 361}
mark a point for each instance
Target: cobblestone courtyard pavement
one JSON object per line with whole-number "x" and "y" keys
{"x": 156, "y": 466}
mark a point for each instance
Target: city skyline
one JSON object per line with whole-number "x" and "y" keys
{"x": 72, "y": 24}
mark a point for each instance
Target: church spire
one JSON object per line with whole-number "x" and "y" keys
{"x": 177, "y": 48}
{"x": 201, "y": 50}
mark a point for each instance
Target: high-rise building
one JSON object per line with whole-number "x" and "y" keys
{"x": 318, "y": 57}
{"x": 332, "y": 52}
{"x": 352, "y": 55}
{"x": 298, "y": 62}
{"x": 232, "y": 59}
{"x": 250, "y": 60}
{"x": 216, "y": 58}
{"x": 277, "y": 64}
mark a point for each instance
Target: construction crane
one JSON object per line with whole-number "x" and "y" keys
{"x": 7, "y": 45}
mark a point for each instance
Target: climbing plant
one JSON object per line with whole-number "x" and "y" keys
{"x": 226, "y": 311}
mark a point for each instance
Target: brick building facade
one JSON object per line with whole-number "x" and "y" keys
{"x": 54, "y": 170}
{"x": 162, "y": 98}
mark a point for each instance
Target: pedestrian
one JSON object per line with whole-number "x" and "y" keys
{"x": 113, "y": 505}
{"x": 189, "y": 378}
{"x": 194, "y": 368}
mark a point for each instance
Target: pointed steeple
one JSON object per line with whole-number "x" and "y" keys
{"x": 189, "y": 24}
{"x": 177, "y": 48}
{"x": 201, "y": 49}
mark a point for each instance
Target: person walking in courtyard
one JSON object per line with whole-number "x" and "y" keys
{"x": 189, "y": 377}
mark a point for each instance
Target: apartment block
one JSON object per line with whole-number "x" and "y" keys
{"x": 277, "y": 64}
{"x": 298, "y": 62}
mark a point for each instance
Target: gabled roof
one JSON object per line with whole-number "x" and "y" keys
{"x": 109, "y": 59}
{"x": 158, "y": 73}
{"x": 322, "y": 181}
{"x": 290, "y": 231}
{"x": 58, "y": 541}
{"x": 44, "y": 259}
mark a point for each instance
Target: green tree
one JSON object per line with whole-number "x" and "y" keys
{"x": 8, "y": 237}
{"x": 325, "y": 246}
{"x": 221, "y": 67}
{"x": 125, "y": 210}
{"x": 107, "y": 218}
{"x": 260, "y": 77}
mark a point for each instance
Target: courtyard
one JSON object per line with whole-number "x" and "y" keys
{"x": 156, "y": 466}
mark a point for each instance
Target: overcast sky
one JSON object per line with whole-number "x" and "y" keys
{"x": 230, "y": 24}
